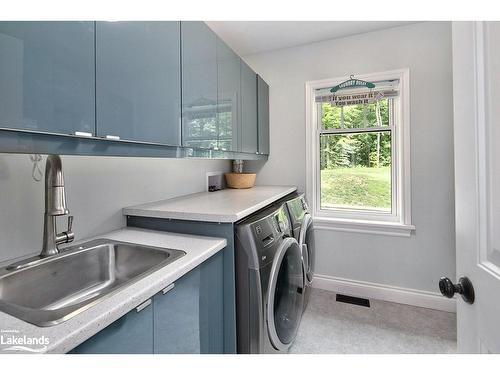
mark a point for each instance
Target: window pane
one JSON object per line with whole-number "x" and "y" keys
{"x": 356, "y": 171}
{"x": 355, "y": 116}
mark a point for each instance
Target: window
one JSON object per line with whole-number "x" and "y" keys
{"x": 358, "y": 154}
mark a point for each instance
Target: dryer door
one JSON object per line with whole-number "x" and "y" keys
{"x": 306, "y": 242}
{"x": 285, "y": 297}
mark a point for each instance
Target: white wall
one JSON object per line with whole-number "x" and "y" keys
{"x": 424, "y": 48}
{"x": 96, "y": 190}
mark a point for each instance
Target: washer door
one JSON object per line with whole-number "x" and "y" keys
{"x": 306, "y": 242}
{"x": 285, "y": 297}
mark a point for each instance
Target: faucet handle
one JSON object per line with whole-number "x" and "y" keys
{"x": 70, "y": 223}
{"x": 69, "y": 236}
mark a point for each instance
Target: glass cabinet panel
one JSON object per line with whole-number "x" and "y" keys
{"x": 248, "y": 109}
{"x": 263, "y": 115}
{"x": 228, "y": 93}
{"x": 47, "y": 76}
{"x": 199, "y": 85}
{"x": 138, "y": 81}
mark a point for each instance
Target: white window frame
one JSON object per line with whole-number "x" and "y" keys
{"x": 396, "y": 223}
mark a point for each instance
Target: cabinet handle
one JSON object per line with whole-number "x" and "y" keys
{"x": 168, "y": 288}
{"x": 143, "y": 305}
{"x": 83, "y": 134}
{"x": 112, "y": 137}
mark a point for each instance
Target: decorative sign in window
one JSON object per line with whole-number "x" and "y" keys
{"x": 361, "y": 98}
{"x": 357, "y": 92}
{"x": 352, "y": 83}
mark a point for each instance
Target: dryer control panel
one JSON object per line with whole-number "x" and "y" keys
{"x": 267, "y": 233}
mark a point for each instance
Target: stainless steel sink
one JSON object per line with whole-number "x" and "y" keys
{"x": 57, "y": 288}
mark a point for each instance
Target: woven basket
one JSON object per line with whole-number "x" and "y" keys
{"x": 240, "y": 180}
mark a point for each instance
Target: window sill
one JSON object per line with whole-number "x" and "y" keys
{"x": 364, "y": 226}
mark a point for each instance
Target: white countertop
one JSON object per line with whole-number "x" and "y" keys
{"x": 223, "y": 206}
{"x": 67, "y": 335}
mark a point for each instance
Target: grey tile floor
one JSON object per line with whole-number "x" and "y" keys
{"x": 333, "y": 327}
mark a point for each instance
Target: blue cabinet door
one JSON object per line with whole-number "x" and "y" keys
{"x": 47, "y": 76}
{"x": 263, "y": 115}
{"x": 176, "y": 316}
{"x": 249, "y": 139}
{"x": 228, "y": 94}
{"x": 187, "y": 317}
{"x": 138, "y": 81}
{"x": 199, "y": 85}
{"x": 189, "y": 314}
{"x": 219, "y": 270}
{"x": 212, "y": 304}
{"x": 131, "y": 334}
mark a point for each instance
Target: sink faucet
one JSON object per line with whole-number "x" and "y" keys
{"x": 55, "y": 205}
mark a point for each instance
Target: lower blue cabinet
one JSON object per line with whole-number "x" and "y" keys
{"x": 187, "y": 317}
{"x": 212, "y": 304}
{"x": 131, "y": 334}
{"x": 176, "y": 316}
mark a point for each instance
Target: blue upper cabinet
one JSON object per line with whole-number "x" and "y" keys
{"x": 151, "y": 84}
{"x": 263, "y": 115}
{"x": 199, "y": 85}
{"x": 47, "y": 76}
{"x": 249, "y": 141}
{"x": 228, "y": 97}
{"x": 138, "y": 81}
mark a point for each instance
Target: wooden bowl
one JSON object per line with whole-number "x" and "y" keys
{"x": 240, "y": 180}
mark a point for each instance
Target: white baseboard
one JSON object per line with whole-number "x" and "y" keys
{"x": 385, "y": 293}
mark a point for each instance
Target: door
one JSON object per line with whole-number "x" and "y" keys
{"x": 249, "y": 136}
{"x": 212, "y": 307}
{"x": 263, "y": 115}
{"x": 47, "y": 77}
{"x": 285, "y": 296}
{"x": 131, "y": 334}
{"x": 199, "y": 85}
{"x": 228, "y": 93}
{"x": 138, "y": 81}
{"x": 189, "y": 314}
{"x": 476, "y": 93}
{"x": 176, "y": 316}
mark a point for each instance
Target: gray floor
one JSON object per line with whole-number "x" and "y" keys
{"x": 333, "y": 327}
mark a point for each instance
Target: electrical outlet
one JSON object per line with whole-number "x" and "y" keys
{"x": 215, "y": 181}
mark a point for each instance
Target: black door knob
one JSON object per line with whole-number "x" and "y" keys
{"x": 464, "y": 288}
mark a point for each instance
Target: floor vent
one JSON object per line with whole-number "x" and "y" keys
{"x": 353, "y": 300}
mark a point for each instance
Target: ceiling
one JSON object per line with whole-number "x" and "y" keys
{"x": 248, "y": 37}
